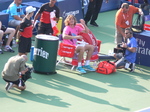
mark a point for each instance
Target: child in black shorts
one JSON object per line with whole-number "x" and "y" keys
{"x": 25, "y": 32}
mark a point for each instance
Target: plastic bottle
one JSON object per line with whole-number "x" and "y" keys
{"x": 109, "y": 52}
{"x": 31, "y": 53}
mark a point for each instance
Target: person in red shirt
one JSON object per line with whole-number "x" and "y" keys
{"x": 44, "y": 13}
{"x": 123, "y": 20}
{"x": 25, "y": 32}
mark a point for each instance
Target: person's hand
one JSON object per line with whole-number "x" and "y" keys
{"x": 23, "y": 72}
{"x": 55, "y": 19}
{"x": 141, "y": 12}
{"x": 82, "y": 21}
{"x": 124, "y": 45}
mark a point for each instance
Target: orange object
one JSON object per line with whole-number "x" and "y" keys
{"x": 99, "y": 45}
{"x": 106, "y": 67}
{"x": 94, "y": 57}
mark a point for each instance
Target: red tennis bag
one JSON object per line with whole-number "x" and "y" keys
{"x": 106, "y": 67}
{"x": 88, "y": 37}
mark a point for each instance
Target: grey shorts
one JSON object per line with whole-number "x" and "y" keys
{"x": 119, "y": 55}
{"x": 118, "y": 37}
{"x": 121, "y": 62}
{"x": 14, "y": 23}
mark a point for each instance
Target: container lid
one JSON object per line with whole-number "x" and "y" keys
{"x": 46, "y": 37}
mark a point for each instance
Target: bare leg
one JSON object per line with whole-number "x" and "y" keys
{"x": 15, "y": 35}
{"x": 11, "y": 33}
{"x": 20, "y": 88}
{"x": 89, "y": 49}
{"x": 1, "y": 35}
{"x": 80, "y": 50}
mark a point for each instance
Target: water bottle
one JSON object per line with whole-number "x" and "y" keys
{"x": 31, "y": 53}
{"x": 109, "y": 52}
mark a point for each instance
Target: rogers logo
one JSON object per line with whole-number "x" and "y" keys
{"x": 65, "y": 14}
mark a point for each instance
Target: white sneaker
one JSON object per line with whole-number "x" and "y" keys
{"x": 1, "y": 52}
{"x": 8, "y": 49}
{"x": 8, "y": 86}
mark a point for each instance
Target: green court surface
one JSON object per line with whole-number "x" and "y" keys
{"x": 68, "y": 91}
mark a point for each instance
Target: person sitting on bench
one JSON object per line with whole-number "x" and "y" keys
{"x": 71, "y": 35}
{"x": 11, "y": 32}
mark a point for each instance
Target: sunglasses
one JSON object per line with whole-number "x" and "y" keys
{"x": 19, "y": 9}
{"x": 127, "y": 33}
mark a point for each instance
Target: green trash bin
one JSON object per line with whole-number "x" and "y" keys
{"x": 45, "y": 54}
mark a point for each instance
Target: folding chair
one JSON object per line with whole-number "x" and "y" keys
{"x": 67, "y": 51}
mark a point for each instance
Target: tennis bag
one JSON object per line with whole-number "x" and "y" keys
{"x": 138, "y": 24}
{"x": 106, "y": 67}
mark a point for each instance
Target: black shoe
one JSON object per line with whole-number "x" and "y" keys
{"x": 94, "y": 24}
{"x": 132, "y": 67}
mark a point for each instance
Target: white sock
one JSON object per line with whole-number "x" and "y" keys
{"x": 7, "y": 46}
{"x": 87, "y": 62}
{"x": 79, "y": 64}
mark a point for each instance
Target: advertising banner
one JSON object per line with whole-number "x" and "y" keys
{"x": 72, "y": 7}
{"x": 143, "y": 50}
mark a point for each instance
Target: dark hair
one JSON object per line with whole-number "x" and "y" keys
{"x": 129, "y": 29}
